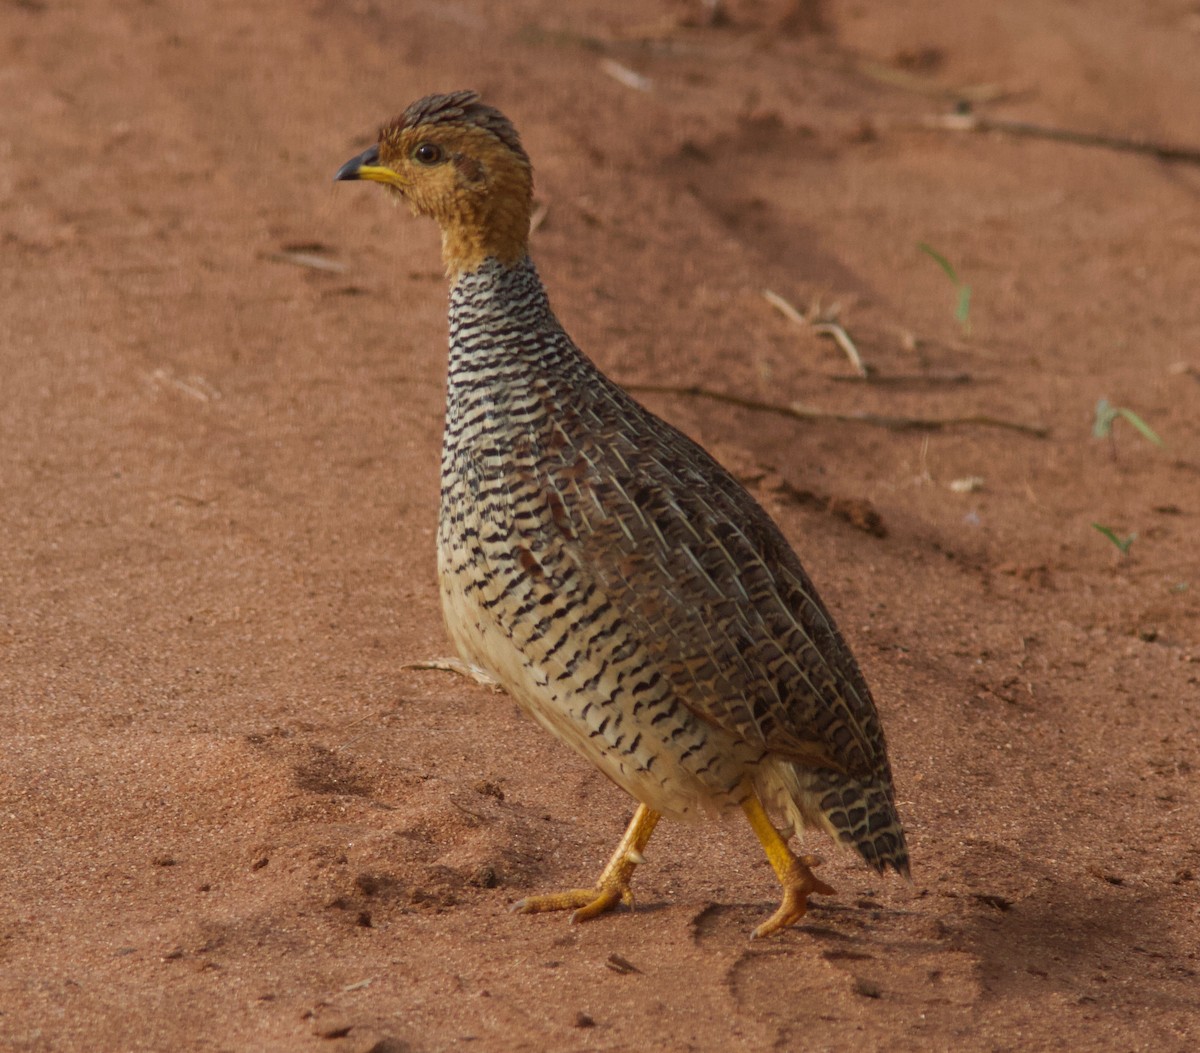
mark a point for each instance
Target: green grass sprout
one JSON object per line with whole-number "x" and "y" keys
{"x": 1106, "y": 416}
{"x": 962, "y": 307}
{"x": 1123, "y": 543}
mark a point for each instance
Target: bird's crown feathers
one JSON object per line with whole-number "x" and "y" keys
{"x": 458, "y": 107}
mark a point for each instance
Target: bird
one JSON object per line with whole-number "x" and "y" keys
{"x": 623, "y": 587}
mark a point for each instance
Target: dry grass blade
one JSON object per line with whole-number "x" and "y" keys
{"x": 825, "y": 328}
{"x": 624, "y": 75}
{"x": 194, "y": 386}
{"x": 456, "y": 666}
{"x": 783, "y": 307}
{"x": 913, "y": 82}
{"x": 308, "y": 259}
{"x": 842, "y": 339}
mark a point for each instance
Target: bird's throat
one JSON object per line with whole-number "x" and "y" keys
{"x": 497, "y": 228}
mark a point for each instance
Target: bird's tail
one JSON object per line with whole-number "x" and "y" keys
{"x": 859, "y": 814}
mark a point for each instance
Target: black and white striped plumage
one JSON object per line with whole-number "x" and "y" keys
{"x": 630, "y": 593}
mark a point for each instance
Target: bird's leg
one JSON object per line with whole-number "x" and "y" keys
{"x": 613, "y": 886}
{"x": 798, "y": 881}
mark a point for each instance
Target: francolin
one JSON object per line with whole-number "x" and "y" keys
{"x": 622, "y": 586}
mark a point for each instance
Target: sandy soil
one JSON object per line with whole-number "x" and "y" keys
{"x": 231, "y": 819}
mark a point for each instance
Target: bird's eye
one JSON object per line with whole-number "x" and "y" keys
{"x": 427, "y": 153}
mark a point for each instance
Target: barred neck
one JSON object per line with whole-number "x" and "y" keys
{"x": 499, "y": 316}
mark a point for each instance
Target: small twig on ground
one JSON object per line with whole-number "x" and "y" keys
{"x": 973, "y": 122}
{"x": 917, "y": 380}
{"x": 538, "y": 217}
{"x": 826, "y": 327}
{"x": 797, "y": 411}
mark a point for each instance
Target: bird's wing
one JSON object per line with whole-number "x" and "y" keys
{"x": 707, "y": 581}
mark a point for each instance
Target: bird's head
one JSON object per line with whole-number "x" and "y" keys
{"x": 461, "y": 163}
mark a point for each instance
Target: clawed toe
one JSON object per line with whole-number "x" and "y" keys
{"x": 584, "y": 903}
{"x": 798, "y": 884}
{"x": 613, "y": 886}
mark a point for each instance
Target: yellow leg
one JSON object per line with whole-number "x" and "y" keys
{"x": 793, "y": 871}
{"x": 613, "y": 886}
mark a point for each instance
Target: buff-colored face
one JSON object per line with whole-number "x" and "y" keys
{"x": 475, "y": 187}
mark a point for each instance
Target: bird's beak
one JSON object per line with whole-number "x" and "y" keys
{"x": 366, "y": 166}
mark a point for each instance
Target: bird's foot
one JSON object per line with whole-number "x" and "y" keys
{"x": 613, "y": 886}
{"x": 798, "y": 884}
{"x": 584, "y": 903}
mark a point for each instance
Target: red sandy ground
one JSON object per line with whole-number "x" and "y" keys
{"x": 231, "y": 819}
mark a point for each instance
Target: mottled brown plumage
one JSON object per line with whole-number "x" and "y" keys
{"x": 618, "y": 582}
